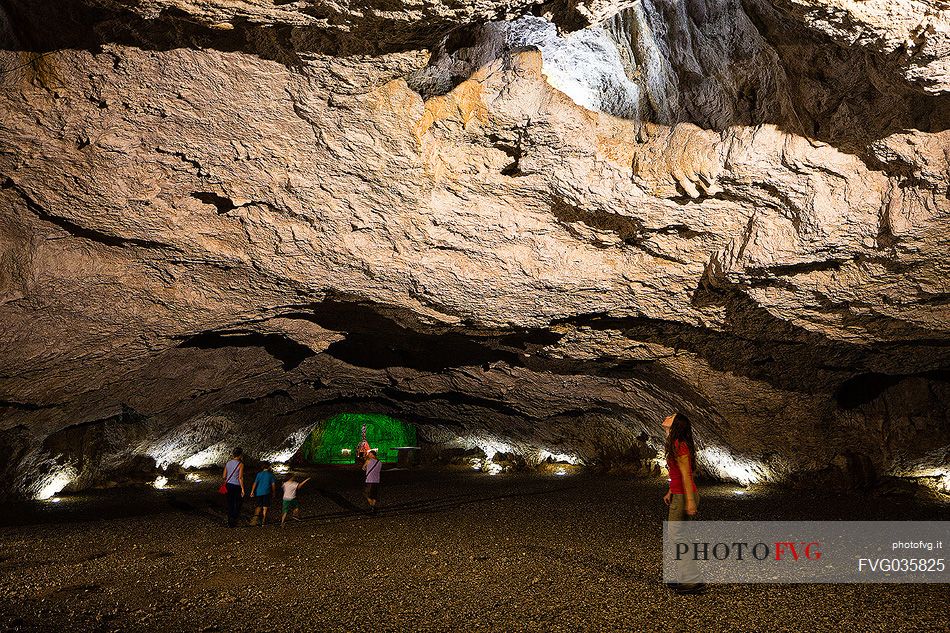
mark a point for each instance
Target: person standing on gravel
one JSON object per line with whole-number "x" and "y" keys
{"x": 372, "y": 468}
{"x": 682, "y": 498}
{"x": 234, "y": 481}
{"x": 264, "y": 486}
{"x": 290, "y": 502}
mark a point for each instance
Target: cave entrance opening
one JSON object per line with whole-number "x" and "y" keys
{"x": 335, "y": 440}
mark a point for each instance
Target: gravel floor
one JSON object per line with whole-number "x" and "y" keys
{"x": 448, "y": 551}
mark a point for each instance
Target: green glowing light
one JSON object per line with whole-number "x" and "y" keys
{"x": 335, "y": 440}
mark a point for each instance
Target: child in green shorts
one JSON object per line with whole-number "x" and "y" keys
{"x": 290, "y": 498}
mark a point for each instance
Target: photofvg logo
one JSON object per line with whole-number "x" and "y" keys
{"x": 805, "y": 551}
{"x": 778, "y": 550}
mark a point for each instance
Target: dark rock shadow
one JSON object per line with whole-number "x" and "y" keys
{"x": 42, "y": 27}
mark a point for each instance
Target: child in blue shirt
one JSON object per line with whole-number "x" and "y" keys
{"x": 265, "y": 485}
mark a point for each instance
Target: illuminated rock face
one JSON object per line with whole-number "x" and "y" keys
{"x": 220, "y": 225}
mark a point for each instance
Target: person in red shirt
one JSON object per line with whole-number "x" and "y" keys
{"x": 680, "y": 456}
{"x": 682, "y": 497}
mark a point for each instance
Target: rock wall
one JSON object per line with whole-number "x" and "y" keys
{"x": 520, "y": 227}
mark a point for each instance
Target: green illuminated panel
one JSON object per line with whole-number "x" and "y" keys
{"x": 329, "y": 441}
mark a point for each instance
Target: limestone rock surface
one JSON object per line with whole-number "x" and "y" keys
{"x": 221, "y": 222}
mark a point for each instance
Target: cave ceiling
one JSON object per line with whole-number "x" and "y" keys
{"x": 540, "y": 225}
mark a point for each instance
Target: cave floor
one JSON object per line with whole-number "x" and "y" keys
{"x": 448, "y": 550}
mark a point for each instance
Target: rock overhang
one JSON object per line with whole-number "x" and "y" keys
{"x": 214, "y": 240}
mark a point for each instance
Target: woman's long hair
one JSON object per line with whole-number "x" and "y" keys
{"x": 681, "y": 431}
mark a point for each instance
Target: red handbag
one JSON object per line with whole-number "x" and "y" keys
{"x": 223, "y": 488}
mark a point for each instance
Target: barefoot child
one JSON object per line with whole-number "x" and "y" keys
{"x": 264, "y": 486}
{"x": 290, "y": 497}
